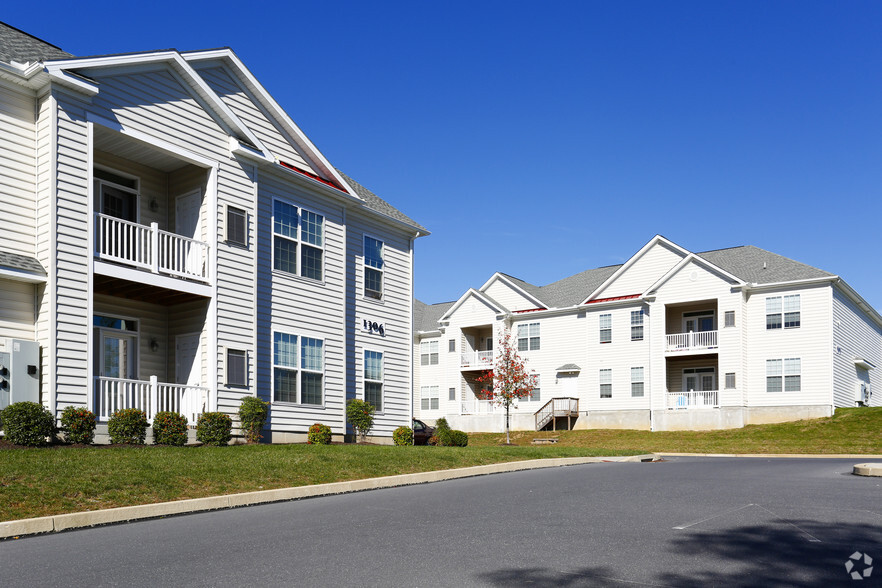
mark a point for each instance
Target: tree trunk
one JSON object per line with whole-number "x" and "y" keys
{"x": 507, "y": 438}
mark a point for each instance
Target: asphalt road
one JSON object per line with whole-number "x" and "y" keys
{"x": 684, "y": 522}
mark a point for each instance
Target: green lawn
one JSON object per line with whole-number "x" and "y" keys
{"x": 849, "y": 430}
{"x": 46, "y": 481}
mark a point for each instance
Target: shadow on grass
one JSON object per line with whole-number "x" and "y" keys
{"x": 798, "y": 553}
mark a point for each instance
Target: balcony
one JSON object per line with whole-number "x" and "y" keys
{"x": 478, "y": 406}
{"x": 693, "y": 399}
{"x": 476, "y": 360}
{"x": 150, "y": 396}
{"x": 149, "y": 248}
{"x": 691, "y": 342}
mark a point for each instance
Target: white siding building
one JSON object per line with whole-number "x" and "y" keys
{"x": 669, "y": 340}
{"x": 174, "y": 241}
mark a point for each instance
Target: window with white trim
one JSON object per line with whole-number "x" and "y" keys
{"x": 373, "y": 379}
{"x": 606, "y": 383}
{"x": 636, "y": 325}
{"x": 605, "y": 328}
{"x": 783, "y": 311}
{"x": 730, "y": 380}
{"x": 298, "y": 381}
{"x": 373, "y": 268}
{"x": 237, "y": 367}
{"x": 729, "y": 318}
{"x": 451, "y": 345}
{"x": 536, "y": 393}
{"x": 298, "y": 239}
{"x": 429, "y": 397}
{"x": 237, "y": 226}
{"x": 784, "y": 374}
{"x": 636, "y": 382}
{"x": 528, "y": 337}
{"x": 451, "y": 394}
{"x": 429, "y": 353}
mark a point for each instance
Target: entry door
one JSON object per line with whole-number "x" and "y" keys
{"x": 569, "y": 386}
{"x": 118, "y": 356}
{"x": 187, "y": 368}
{"x": 699, "y": 382}
{"x": 187, "y": 209}
{"x": 698, "y": 324}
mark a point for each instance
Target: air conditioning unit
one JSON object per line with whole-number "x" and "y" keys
{"x": 862, "y": 393}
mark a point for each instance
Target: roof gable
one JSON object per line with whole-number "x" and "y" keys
{"x": 513, "y": 293}
{"x": 693, "y": 260}
{"x": 480, "y": 297}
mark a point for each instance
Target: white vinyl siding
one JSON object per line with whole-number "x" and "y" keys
{"x": 17, "y": 309}
{"x": 643, "y": 272}
{"x": 855, "y": 334}
{"x": 17, "y": 171}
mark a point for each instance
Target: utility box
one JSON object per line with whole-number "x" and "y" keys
{"x": 19, "y": 372}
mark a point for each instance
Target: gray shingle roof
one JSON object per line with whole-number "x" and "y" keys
{"x": 425, "y": 316}
{"x": 377, "y": 204}
{"x": 16, "y": 45}
{"x": 574, "y": 289}
{"x": 21, "y": 262}
{"x": 568, "y": 367}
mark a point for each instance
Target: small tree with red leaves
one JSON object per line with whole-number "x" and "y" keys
{"x": 508, "y": 381}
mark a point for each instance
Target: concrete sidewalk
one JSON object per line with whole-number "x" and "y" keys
{"x": 20, "y": 528}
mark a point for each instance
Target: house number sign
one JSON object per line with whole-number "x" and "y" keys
{"x": 374, "y": 327}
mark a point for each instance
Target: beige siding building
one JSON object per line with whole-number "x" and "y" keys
{"x": 175, "y": 242}
{"x": 669, "y": 340}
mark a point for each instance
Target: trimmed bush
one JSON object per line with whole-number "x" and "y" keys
{"x": 252, "y": 417}
{"x": 319, "y": 434}
{"x": 214, "y": 428}
{"x": 27, "y": 423}
{"x": 403, "y": 436}
{"x": 360, "y": 415}
{"x": 78, "y": 424}
{"x": 441, "y": 425}
{"x": 451, "y": 438}
{"x": 128, "y": 426}
{"x": 460, "y": 438}
{"x": 169, "y": 428}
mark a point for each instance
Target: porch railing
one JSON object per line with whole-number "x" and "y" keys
{"x": 151, "y": 396}
{"x": 693, "y": 399}
{"x": 691, "y": 341}
{"x": 150, "y": 248}
{"x": 556, "y": 407}
{"x": 477, "y": 406}
{"x": 476, "y": 359}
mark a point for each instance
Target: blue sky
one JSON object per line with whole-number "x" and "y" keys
{"x": 543, "y": 139}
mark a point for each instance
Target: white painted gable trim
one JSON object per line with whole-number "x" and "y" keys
{"x": 693, "y": 258}
{"x": 513, "y": 286}
{"x": 652, "y": 242}
{"x": 255, "y": 88}
{"x": 469, "y": 293}
{"x": 203, "y": 93}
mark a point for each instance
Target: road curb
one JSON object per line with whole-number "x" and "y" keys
{"x": 868, "y": 469}
{"x": 63, "y": 522}
{"x": 778, "y": 455}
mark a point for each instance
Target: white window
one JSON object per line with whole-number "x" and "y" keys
{"x": 730, "y": 380}
{"x": 237, "y": 226}
{"x": 451, "y": 394}
{"x": 373, "y": 268}
{"x": 636, "y": 382}
{"x": 605, "y": 328}
{"x": 293, "y": 230}
{"x": 636, "y": 325}
{"x": 451, "y": 345}
{"x": 606, "y": 383}
{"x": 729, "y": 318}
{"x": 373, "y": 379}
{"x": 783, "y": 311}
{"x": 783, "y": 374}
{"x": 429, "y": 397}
{"x": 429, "y": 353}
{"x": 237, "y": 367}
{"x": 290, "y": 384}
{"x": 536, "y": 393}
{"x": 528, "y": 337}
{"x": 118, "y": 194}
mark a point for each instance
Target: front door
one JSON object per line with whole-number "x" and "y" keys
{"x": 117, "y": 358}
{"x": 187, "y": 209}
{"x": 187, "y": 367}
{"x": 698, "y": 322}
{"x": 699, "y": 380}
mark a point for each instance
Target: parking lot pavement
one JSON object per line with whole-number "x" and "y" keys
{"x": 681, "y": 522}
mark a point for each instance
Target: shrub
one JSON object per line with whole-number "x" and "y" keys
{"x": 319, "y": 434}
{"x": 360, "y": 415}
{"x": 433, "y": 440}
{"x": 452, "y": 438}
{"x": 214, "y": 428}
{"x": 169, "y": 428}
{"x": 78, "y": 423}
{"x": 128, "y": 426}
{"x": 27, "y": 423}
{"x": 403, "y": 436}
{"x": 460, "y": 438}
{"x": 252, "y": 417}
{"x": 441, "y": 425}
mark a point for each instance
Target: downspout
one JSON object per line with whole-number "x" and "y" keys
{"x": 648, "y": 338}
{"x": 412, "y": 341}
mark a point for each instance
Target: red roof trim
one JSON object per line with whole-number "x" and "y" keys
{"x": 529, "y": 310}
{"x": 613, "y": 298}
{"x": 310, "y": 175}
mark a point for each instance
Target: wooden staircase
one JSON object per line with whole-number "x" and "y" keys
{"x": 556, "y": 408}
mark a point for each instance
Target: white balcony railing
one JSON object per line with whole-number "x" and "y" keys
{"x": 151, "y": 396}
{"x": 693, "y": 399}
{"x": 150, "y": 248}
{"x": 476, "y": 359}
{"x": 691, "y": 341}
{"x": 476, "y": 406}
